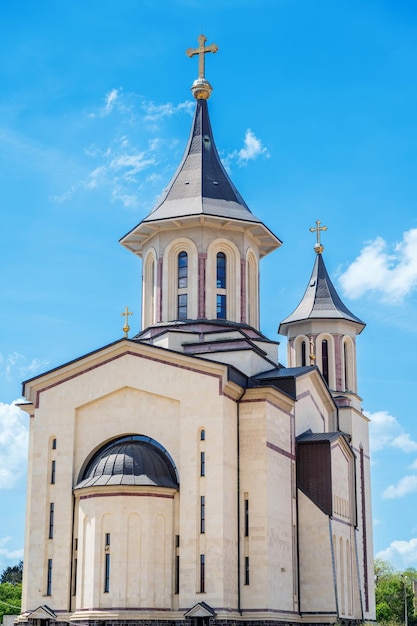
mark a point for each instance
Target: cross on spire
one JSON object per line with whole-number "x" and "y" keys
{"x": 318, "y": 247}
{"x": 126, "y": 313}
{"x": 201, "y": 51}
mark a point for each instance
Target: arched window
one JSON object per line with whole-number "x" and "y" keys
{"x": 221, "y": 285}
{"x": 182, "y": 285}
{"x": 303, "y": 354}
{"x": 325, "y": 360}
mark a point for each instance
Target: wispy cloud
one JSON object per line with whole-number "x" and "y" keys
{"x": 13, "y": 445}
{"x": 15, "y": 365}
{"x": 402, "y": 554}
{"x": 405, "y": 486}
{"x": 155, "y": 112}
{"x": 388, "y": 271}
{"x": 252, "y": 149}
{"x": 9, "y": 555}
{"x": 386, "y": 432}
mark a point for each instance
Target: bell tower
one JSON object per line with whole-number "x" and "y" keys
{"x": 200, "y": 245}
{"x": 322, "y": 331}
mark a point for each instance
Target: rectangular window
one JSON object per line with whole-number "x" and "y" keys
{"x": 107, "y": 539}
{"x": 49, "y": 578}
{"x": 246, "y": 570}
{"x": 221, "y": 271}
{"x": 202, "y": 514}
{"x": 246, "y": 517}
{"x": 182, "y": 270}
{"x": 177, "y": 541}
{"x": 202, "y": 573}
{"x": 53, "y": 444}
{"x": 182, "y": 306}
{"x": 74, "y": 579}
{"x": 107, "y": 573}
{"x": 53, "y": 468}
{"x": 51, "y": 520}
{"x": 202, "y": 463}
{"x": 177, "y": 574}
{"x": 221, "y": 306}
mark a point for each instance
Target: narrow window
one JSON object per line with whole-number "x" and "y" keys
{"x": 345, "y": 358}
{"x": 53, "y": 444}
{"x": 325, "y": 360}
{"x": 51, "y": 520}
{"x": 107, "y": 540}
{"x": 202, "y": 463}
{"x": 246, "y": 570}
{"x": 53, "y": 467}
{"x": 303, "y": 354}
{"x": 182, "y": 306}
{"x": 221, "y": 306}
{"x": 202, "y": 435}
{"x": 202, "y": 573}
{"x": 177, "y": 541}
{"x": 49, "y": 578}
{"x": 74, "y": 584}
{"x": 107, "y": 572}
{"x": 182, "y": 270}
{"x": 202, "y": 514}
{"x": 246, "y": 517}
{"x": 177, "y": 574}
{"x": 221, "y": 270}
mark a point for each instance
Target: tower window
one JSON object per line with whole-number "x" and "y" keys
{"x": 221, "y": 306}
{"x": 202, "y": 514}
{"x": 345, "y": 359}
{"x": 51, "y": 520}
{"x": 182, "y": 270}
{"x": 107, "y": 540}
{"x": 202, "y": 463}
{"x": 182, "y": 306}
{"x": 202, "y": 573}
{"x": 303, "y": 354}
{"x": 221, "y": 270}
{"x": 53, "y": 444}
{"x": 177, "y": 574}
{"x": 325, "y": 360}
{"x": 202, "y": 434}
{"x": 49, "y": 578}
{"x": 246, "y": 517}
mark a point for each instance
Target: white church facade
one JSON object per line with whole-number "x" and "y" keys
{"x": 184, "y": 476}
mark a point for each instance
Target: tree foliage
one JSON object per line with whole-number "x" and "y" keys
{"x": 393, "y": 590}
{"x": 10, "y": 599}
{"x": 12, "y": 574}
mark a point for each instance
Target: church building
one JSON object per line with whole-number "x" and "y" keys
{"x": 185, "y": 476}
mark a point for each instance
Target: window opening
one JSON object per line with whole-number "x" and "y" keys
{"x": 202, "y": 573}
{"x": 182, "y": 270}
{"x": 107, "y": 573}
{"x": 49, "y": 578}
{"x": 246, "y": 517}
{"x": 303, "y": 354}
{"x": 221, "y": 270}
{"x": 202, "y": 435}
{"x": 325, "y": 359}
{"x": 182, "y": 306}
{"x": 221, "y": 306}
{"x": 202, "y": 463}
{"x": 246, "y": 570}
{"x": 51, "y": 520}
{"x": 53, "y": 468}
{"x": 202, "y": 514}
{"x": 53, "y": 444}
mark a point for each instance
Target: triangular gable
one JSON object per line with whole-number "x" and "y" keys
{"x": 200, "y": 610}
{"x": 42, "y": 612}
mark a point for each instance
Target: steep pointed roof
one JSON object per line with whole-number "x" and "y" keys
{"x": 320, "y": 301}
{"x": 200, "y": 188}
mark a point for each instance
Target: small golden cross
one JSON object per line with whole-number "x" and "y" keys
{"x": 126, "y": 314}
{"x": 201, "y": 51}
{"x": 318, "y": 247}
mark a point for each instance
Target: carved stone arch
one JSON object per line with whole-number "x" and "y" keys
{"x": 298, "y": 349}
{"x": 149, "y": 302}
{"x": 252, "y": 288}
{"x": 320, "y": 358}
{"x": 349, "y": 361}
{"x": 233, "y": 280}
{"x": 170, "y": 279}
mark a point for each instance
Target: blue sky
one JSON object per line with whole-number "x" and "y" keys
{"x": 314, "y": 113}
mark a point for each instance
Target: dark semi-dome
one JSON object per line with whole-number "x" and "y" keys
{"x": 130, "y": 461}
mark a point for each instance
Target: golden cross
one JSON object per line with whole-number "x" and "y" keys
{"x": 318, "y": 247}
{"x": 201, "y": 51}
{"x": 126, "y": 314}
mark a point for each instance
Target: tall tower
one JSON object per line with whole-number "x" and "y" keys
{"x": 200, "y": 245}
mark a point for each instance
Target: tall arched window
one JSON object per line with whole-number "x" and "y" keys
{"x": 182, "y": 285}
{"x": 221, "y": 285}
{"x": 325, "y": 360}
{"x": 346, "y": 366}
{"x": 303, "y": 354}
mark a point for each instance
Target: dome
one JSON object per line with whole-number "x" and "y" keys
{"x": 132, "y": 460}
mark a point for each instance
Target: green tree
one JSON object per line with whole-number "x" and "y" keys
{"x": 10, "y": 599}
{"x": 393, "y": 589}
{"x": 12, "y": 574}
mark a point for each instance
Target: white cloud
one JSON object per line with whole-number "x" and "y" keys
{"x": 390, "y": 273}
{"x": 13, "y": 445}
{"x": 401, "y": 554}
{"x": 386, "y": 432}
{"x": 252, "y": 149}
{"x": 405, "y": 486}
{"x": 155, "y": 112}
{"x": 6, "y": 553}
{"x": 15, "y": 365}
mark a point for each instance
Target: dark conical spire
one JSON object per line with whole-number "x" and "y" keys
{"x": 320, "y": 301}
{"x": 201, "y": 185}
